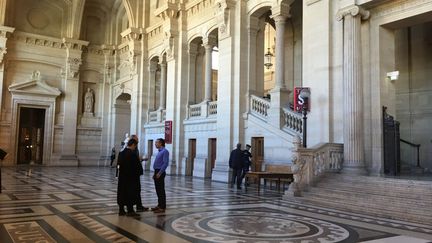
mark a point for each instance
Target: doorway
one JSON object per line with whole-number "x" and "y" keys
{"x": 211, "y": 157}
{"x": 31, "y": 135}
{"x": 191, "y": 157}
{"x": 257, "y": 153}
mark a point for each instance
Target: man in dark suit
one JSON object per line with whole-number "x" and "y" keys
{"x": 236, "y": 162}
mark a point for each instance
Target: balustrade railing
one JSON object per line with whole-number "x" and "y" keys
{"x": 259, "y": 106}
{"x": 202, "y": 110}
{"x": 293, "y": 121}
{"x": 310, "y": 164}
{"x": 212, "y": 108}
{"x": 156, "y": 116}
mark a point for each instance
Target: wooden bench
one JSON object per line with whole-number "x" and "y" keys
{"x": 280, "y": 174}
{"x": 278, "y": 168}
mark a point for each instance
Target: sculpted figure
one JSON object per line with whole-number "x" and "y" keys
{"x": 88, "y": 101}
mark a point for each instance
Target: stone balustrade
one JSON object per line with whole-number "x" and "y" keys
{"x": 310, "y": 164}
{"x": 293, "y": 121}
{"x": 202, "y": 110}
{"x": 157, "y": 116}
{"x": 259, "y": 106}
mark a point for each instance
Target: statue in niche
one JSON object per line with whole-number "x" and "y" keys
{"x": 88, "y": 101}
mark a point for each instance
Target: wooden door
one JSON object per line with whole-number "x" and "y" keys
{"x": 191, "y": 157}
{"x": 257, "y": 151}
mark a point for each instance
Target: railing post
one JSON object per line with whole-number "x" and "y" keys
{"x": 418, "y": 156}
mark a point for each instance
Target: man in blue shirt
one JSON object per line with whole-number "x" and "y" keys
{"x": 159, "y": 166}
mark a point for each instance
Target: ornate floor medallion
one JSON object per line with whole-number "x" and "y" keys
{"x": 246, "y": 226}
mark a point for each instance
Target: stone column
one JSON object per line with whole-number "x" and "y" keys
{"x": 280, "y": 53}
{"x": 353, "y": 89}
{"x": 151, "y": 86}
{"x": 71, "y": 94}
{"x": 193, "y": 51}
{"x": 208, "y": 45}
{"x": 162, "y": 92}
{"x": 252, "y": 38}
{"x": 4, "y": 30}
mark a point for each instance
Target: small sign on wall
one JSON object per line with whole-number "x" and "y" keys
{"x": 168, "y": 132}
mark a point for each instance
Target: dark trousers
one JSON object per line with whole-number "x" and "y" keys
{"x": 237, "y": 175}
{"x": 139, "y": 202}
{"x": 160, "y": 189}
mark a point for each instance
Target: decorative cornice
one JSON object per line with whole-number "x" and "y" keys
{"x": 354, "y": 11}
{"x": 167, "y": 11}
{"x": 198, "y": 6}
{"x": 132, "y": 34}
{"x": 74, "y": 44}
{"x": 38, "y": 40}
{"x": 4, "y": 30}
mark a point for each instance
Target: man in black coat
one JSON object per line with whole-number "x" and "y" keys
{"x": 129, "y": 179}
{"x": 236, "y": 162}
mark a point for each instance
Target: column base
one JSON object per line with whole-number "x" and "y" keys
{"x": 354, "y": 170}
{"x": 68, "y": 160}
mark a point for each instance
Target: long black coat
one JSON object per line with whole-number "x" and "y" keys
{"x": 129, "y": 177}
{"x": 236, "y": 159}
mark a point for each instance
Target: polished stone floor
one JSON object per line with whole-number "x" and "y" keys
{"x": 79, "y": 205}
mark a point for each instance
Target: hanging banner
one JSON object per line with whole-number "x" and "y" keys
{"x": 168, "y": 132}
{"x": 300, "y": 102}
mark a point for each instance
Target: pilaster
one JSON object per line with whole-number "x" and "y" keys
{"x": 4, "y": 32}
{"x": 353, "y": 89}
{"x": 71, "y": 93}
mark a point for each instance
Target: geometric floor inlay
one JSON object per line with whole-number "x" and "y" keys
{"x": 245, "y": 226}
{"x": 78, "y": 204}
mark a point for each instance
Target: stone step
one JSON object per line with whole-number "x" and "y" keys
{"x": 356, "y": 195}
{"x": 407, "y": 192}
{"x": 381, "y": 180}
{"x": 382, "y": 203}
{"x": 378, "y": 196}
{"x": 365, "y": 210}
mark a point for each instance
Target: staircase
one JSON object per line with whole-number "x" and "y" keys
{"x": 390, "y": 198}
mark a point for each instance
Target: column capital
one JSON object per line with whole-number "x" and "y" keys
{"x": 222, "y": 10}
{"x": 354, "y": 11}
{"x": 209, "y": 42}
{"x": 281, "y": 8}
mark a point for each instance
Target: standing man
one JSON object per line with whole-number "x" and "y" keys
{"x": 236, "y": 162}
{"x": 129, "y": 179}
{"x": 139, "y": 206}
{"x": 159, "y": 166}
{"x": 247, "y": 160}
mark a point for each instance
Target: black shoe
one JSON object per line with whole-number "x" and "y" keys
{"x": 155, "y": 208}
{"x": 142, "y": 209}
{"x": 122, "y": 213}
{"x": 132, "y": 214}
{"x": 159, "y": 210}
{"x": 239, "y": 187}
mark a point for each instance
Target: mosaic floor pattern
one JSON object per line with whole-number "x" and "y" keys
{"x": 79, "y": 205}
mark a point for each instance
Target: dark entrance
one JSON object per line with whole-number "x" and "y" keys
{"x": 391, "y": 141}
{"x": 31, "y": 135}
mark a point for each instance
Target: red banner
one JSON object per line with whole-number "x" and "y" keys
{"x": 299, "y": 102}
{"x": 168, "y": 132}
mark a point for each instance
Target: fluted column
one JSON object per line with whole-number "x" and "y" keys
{"x": 192, "y": 77}
{"x": 151, "y": 86}
{"x": 280, "y": 52}
{"x": 353, "y": 89}
{"x": 162, "y": 93}
{"x": 208, "y": 46}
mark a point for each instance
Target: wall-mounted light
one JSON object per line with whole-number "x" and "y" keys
{"x": 392, "y": 76}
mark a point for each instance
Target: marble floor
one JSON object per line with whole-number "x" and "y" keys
{"x": 79, "y": 205}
